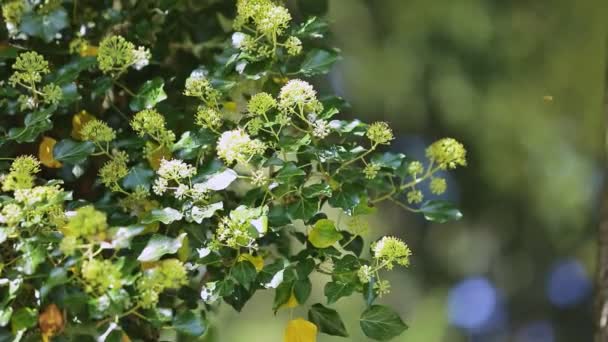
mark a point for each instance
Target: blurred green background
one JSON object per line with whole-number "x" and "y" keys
{"x": 521, "y": 83}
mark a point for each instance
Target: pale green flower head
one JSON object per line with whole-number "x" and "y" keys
{"x": 29, "y": 68}
{"x": 101, "y": 276}
{"x": 414, "y": 196}
{"x": 365, "y": 274}
{"x": 267, "y": 18}
{"x": 208, "y": 117}
{"x": 168, "y": 274}
{"x": 273, "y": 21}
{"x": 293, "y": 45}
{"x": 447, "y": 153}
{"x": 21, "y": 175}
{"x": 371, "y": 170}
{"x": 197, "y": 85}
{"x": 115, "y": 55}
{"x": 12, "y": 12}
{"x": 242, "y": 227}
{"x": 86, "y": 222}
{"x": 261, "y": 103}
{"x": 52, "y": 93}
{"x": 380, "y": 133}
{"x": 389, "y": 250}
{"x": 97, "y": 131}
{"x": 438, "y": 185}
{"x": 114, "y": 170}
{"x": 415, "y": 168}
{"x": 151, "y": 122}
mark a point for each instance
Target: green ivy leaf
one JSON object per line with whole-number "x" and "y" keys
{"x": 191, "y": 143}
{"x": 313, "y": 28}
{"x": 440, "y": 211}
{"x": 149, "y": 94}
{"x": 244, "y": 273}
{"x": 347, "y": 198}
{"x": 138, "y": 176}
{"x": 324, "y": 234}
{"x": 73, "y": 152}
{"x": 159, "y": 245}
{"x": 317, "y": 190}
{"x": 289, "y": 171}
{"x": 198, "y": 214}
{"x": 5, "y": 315}
{"x": 389, "y": 160}
{"x": 302, "y": 289}
{"x": 328, "y": 320}
{"x": 335, "y": 290}
{"x": 282, "y": 294}
{"x": 24, "y": 318}
{"x": 381, "y": 323}
{"x": 190, "y": 323}
{"x": 318, "y": 62}
{"x": 69, "y": 73}
{"x": 165, "y": 215}
{"x": 57, "y": 276}
{"x": 221, "y": 180}
{"x": 44, "y": 26}
{"x": 303, "y": 209}
{"x": 35, "y": 123}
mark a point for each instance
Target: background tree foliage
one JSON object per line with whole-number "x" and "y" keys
{"x": 181, "y": 161}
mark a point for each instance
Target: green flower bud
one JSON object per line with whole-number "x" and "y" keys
{"x": 380, "y": 133}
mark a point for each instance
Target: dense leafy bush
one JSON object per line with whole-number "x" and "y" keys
{"x": 163, "y": 156}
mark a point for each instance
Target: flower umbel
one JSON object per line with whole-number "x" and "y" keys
{"x": 238, "y": 146}
{"x": 380, "y": 133}
{"x": 447, "y": 153}
{"x": 389, "y": 250}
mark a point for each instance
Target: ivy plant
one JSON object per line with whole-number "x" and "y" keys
{"x": 161, "y": 157}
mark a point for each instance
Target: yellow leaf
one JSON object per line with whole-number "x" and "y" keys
{"x": 291, "y": 303}
{"x": 88, "y": 51}
{"x": 78, "y": 121}
{"x": 50, "y": 321}
{"x": 183, "y": 253}
{"x": 257, "y": 261}
{"x": 280, "y": 80}
{"x": 148, "y": 265}
{"x": 230, "y": 106}
{"x": 45, "y": 153}
{"x": 300, "y": 330}
{"x": 155, "y": 154}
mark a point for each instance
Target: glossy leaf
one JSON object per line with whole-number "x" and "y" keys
{"x": 148, "y": 95}
{"x": 328, "y": 320}
{"x": 159, "y": 245}
{"x": 324, "y": 234}
{"x": 440, "y": 211}
{"x": 381, "y": 323}
{"x": 300, "y": 330}
{"x": 73, "y": 152}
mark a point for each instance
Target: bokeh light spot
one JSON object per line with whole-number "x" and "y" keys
{"x": 471, "y": 303}
{"x": 568, "y": 284}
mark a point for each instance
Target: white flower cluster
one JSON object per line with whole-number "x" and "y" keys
{"x": 175, "y": 171}
{"x": 321, "y": 129}
{"x": 236, "y": 145}
{"x": 299, "y": 94}
{"x": 242, "y": 227}
{"x": 141, "y": 57}
{"x": 208, "y": 293}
